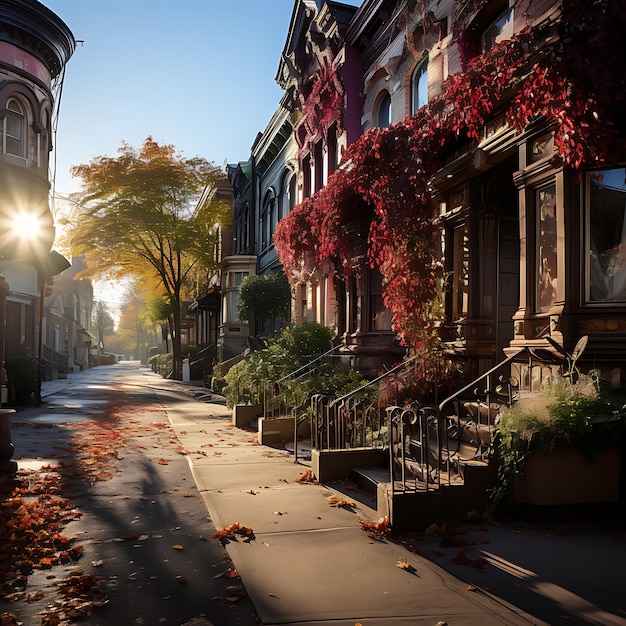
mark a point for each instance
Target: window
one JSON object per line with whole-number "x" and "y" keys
{"x": 606, "y": 236}
{"x": 331, "y": 143}
{"x": 460, "y": 273}
{"x": 231, "y": 300}
{"x": 318, "y": 164}
{"x": 384, "y": 111}
{"x": 236, "y": 278}
{"x": 380, "y": 314}
{"x": 267, "y": 220}
{"x": 419, "y": 87}
{"x": 14, "y": 129}
{"x": 287, "y": 198}
{"x": 547, "y": 260}
{"x": 499, "y": 30}
{"x": 306, "y": 177}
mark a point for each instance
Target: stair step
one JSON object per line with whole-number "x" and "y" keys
{"x": 304, "y": 450}
{"x": 368, "y": 478}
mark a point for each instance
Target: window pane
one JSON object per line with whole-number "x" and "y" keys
{"x": 545, "y": 201}
{"x": 419, "y": 92}
{"x": 500, "y": 30}
{"x": 606, "y": 228}
{"x": 14, "y": 126}
{"x": 384, "y": 112}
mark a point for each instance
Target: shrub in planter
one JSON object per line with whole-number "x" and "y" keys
{"x": 565, "y": 414}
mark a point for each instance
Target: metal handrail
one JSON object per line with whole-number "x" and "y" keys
{"x": 393, "y": 370}
{"x": 303, "y": 367}
{"x": 473, "y": 384}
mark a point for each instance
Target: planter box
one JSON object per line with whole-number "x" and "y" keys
{"x": 274, "y": 430}
{"x": 243, "y": 414}
{"x": 569, "y": 477}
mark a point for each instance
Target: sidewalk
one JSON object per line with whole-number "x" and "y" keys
{"x": 310, "y": 563}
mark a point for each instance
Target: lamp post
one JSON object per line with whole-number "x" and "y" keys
{"x": 6, "y": 445}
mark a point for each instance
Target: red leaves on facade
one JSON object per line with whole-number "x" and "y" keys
{"x": 576, "y": 86}
{"x": 324, "y": 106}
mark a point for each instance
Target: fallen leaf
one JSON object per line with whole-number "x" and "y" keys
{"x": 338, "y": 501}
{"x": 177, "y": 546}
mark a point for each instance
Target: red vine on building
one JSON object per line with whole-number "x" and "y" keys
{"x": 576, "y": 86}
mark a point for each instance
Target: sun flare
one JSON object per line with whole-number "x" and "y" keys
{"x": 26, "y": 226}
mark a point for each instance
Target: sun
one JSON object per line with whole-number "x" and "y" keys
{"x": 26, "y": 226}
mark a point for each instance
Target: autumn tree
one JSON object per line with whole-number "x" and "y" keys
{"x": 149, "y": 211}
{"x": 104, "y": 323}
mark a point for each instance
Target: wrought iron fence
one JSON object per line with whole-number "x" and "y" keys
{"x": 428, "y": 444}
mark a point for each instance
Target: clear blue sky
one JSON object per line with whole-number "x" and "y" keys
{"x": 198, "y": 74}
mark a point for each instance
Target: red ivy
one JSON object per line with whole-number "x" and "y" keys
{"x": 323, "y": 106}
{"x": 382, "y": 187}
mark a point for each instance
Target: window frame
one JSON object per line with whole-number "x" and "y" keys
{"x": 505, "y": 33}
{"x": 546, "y": 263}
{"x": 384, "y": 107}
{"x": 419, "y": 74}
{"x": 22, "y": 123}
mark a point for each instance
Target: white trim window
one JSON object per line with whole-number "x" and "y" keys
{"x": 384, "y": 111}
{"x": 14, "y": 129}
{"x": 419, "y": 86}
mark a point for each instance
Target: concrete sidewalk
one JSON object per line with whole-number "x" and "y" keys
{"x": 310, "y": 562}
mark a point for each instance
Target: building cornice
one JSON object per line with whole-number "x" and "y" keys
{"x": 31, "y": 26}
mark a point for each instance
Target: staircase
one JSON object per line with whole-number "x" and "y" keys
{"x": 424, "y": 463}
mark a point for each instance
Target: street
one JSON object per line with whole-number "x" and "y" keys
{"x": 125, "y": 479}
{"x": 148, "y": 551}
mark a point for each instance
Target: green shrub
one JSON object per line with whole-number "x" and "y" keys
{"x": 293, "y": 348}
{"x": 564, "y": 414}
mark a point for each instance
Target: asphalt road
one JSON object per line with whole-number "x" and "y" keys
{"x": 144, "y": 530}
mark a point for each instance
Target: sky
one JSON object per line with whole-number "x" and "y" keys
{"x": 197, "y": 74}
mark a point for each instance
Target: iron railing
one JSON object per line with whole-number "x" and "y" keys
{"x": 354, "y": 420}
{"x": 428, "y": 444}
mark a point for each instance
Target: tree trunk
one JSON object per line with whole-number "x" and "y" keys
{"x": 176, "y": 347}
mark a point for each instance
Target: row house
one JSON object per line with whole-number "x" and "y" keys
{"x": 530, "y": 226}
{"x": 68, "y": 344}
{"x": 265, "y": 190}
{"x": 460, "y": 185}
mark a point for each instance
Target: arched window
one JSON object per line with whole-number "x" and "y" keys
{"x": 14, "y": 129}
{"x": 419, "y": 86}
{"x": 384, "y": 111}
